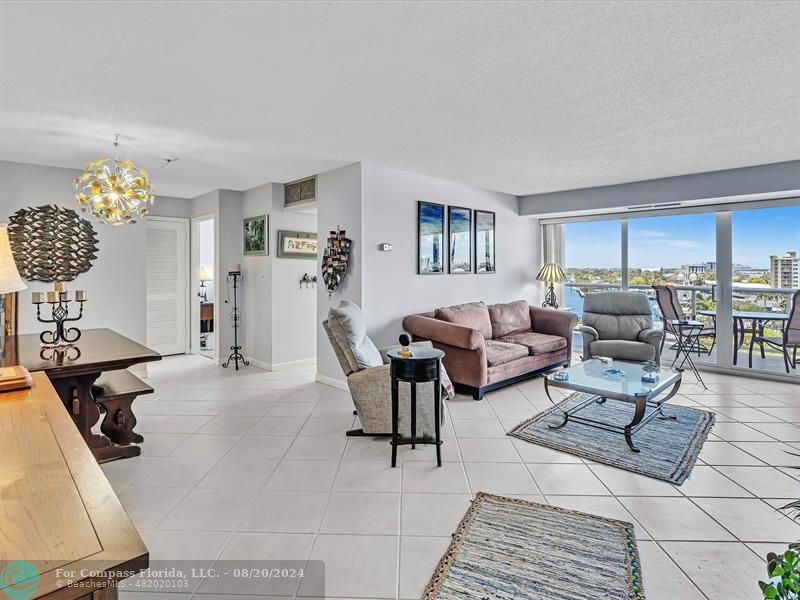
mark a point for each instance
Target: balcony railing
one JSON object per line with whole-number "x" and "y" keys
{"x": 693, "y": 290}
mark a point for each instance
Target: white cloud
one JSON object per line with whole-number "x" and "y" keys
{"x": 682, "y": 244}
{"x": 649, "y": 233}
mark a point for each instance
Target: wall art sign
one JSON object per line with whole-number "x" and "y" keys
{"x": 297, "y": 244}
{"x": 430, "y": 238}
{"x": 484, "y": 241}
{"x": 51, "y": 243}
{"x": 459, "y": 226}
{"x": 335, "y": 259}
{"x": 254, "y": 236}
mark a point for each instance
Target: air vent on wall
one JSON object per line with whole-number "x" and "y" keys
{"x": 655, "y": 206}
{"x": 301, "y": 191}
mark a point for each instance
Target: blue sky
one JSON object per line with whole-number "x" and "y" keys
{"x": 672, "y": 241}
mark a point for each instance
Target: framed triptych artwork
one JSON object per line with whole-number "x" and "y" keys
{"x": 430, "y": 238}
{"x": 484, "y": 242}
{"x": 459, "y": 223}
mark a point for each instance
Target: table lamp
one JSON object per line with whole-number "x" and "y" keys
{"x": 10, "y": 281}
{"x": 205, "y": 275}
{"x": 551, "y": 273}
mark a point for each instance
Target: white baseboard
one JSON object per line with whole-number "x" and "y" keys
{"x": 337, "y": 383}
{"x": 293, "y": 364}
{"x": 258, "y": 363}
{"x": 290, "y": 364}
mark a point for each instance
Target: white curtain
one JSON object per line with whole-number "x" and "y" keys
{"x": 553, "y": 236}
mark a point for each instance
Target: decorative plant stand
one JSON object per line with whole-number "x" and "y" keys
{"x": 235, "y": 279}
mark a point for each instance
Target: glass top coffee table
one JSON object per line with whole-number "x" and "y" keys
{"x": 591, "y": 377}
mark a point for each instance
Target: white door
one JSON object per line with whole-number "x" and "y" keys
{"x": 166, "y": 264}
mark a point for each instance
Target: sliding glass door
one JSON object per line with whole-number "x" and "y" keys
{"x": 592, "y": 260}
{"x": 736, "y": 271}
{"x": 765, "y": 274}
{"x": 677, "y": 251}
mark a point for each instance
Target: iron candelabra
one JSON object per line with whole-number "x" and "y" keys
{"x": 59, "y": 301}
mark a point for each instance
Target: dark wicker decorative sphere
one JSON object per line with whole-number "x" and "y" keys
{"x": 51, "y": 243}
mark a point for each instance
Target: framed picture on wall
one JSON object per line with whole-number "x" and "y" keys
{"x": 254, "y": 235}
{"x": 459, "y": 227}
{"x": 297, "y": 244}
{"x": 430, "y": 238}
{"x": 484, "y": 241}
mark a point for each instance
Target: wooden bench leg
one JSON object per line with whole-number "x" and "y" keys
{"x": 76, "y": 394}
{"x": 119, "y": 420}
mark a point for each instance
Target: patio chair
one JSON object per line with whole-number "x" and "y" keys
{"x": 788, "y": 340}
{"x": 671, "y": 310}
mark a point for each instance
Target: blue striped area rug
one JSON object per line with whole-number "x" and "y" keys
{"x": 669, "y": 447}
{"x": 507, "y": 548}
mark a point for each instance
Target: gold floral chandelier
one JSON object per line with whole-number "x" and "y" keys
{"x": 116, "y": 192}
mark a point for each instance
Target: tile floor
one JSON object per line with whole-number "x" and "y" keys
{"x": 256, "y": 464}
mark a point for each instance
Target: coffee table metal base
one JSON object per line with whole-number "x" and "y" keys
{"x": 640, "y": 416}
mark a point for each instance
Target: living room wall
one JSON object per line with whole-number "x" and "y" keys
{"x": 115, "y": 283}
{"x": 339, "y": 205}
{"x": 377, "y": 204}
{"x": 279, "y": 317}
{"x": 391, "y": 287}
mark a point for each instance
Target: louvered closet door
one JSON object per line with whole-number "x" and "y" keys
{"x": 166, "y": 261}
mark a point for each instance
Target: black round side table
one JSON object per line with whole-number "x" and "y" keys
{"x": 423, "y": 367}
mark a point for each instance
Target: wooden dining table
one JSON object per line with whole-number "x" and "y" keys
{"x": 73, "y": 370}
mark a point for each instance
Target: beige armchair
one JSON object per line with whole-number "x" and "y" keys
{"x": 371, "y": 389}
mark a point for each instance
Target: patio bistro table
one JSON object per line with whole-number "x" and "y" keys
{"x": 757, "y": 319}
{"x": 588, "y": 377}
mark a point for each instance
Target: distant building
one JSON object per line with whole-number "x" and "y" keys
{"x": 753, "y": 272}
{"x": 696, "y": 268}
{"x": 708, "y": 266}
{"x": 784, "y": 271}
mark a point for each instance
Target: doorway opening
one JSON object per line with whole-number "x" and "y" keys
{"x": 204, "y": 270}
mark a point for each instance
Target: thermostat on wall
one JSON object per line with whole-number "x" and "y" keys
{"x": 385, "y": 247}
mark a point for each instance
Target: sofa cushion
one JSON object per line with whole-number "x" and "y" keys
{"x": 623, "y": 350}
{"x": 500, "y": 353}
{"x": 512, "y": 317}
{"x": 536, "y": 343}
{"x": 347, "y": 317}
{"x": 473, "y": 314}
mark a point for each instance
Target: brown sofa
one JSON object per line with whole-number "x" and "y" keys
{"x": 487, "y": 347}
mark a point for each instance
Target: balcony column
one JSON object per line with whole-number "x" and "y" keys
{"x": 724, "y": 345}
{"x": 624, "y": 280}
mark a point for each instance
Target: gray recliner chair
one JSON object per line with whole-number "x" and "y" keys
{"x": 620, "y": 325}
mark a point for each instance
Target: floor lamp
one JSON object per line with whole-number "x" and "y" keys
{"x": 551, "y": 274}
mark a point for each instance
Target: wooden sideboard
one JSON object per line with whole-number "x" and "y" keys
{"x": 57, "y": 510}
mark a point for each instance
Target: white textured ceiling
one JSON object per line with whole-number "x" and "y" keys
{"x": 519, "y": 97}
